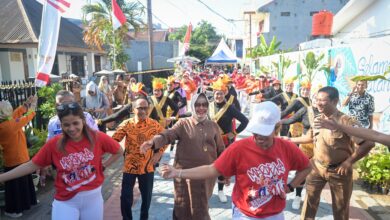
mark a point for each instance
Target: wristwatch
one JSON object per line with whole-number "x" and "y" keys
{"x": 290, "y": 187}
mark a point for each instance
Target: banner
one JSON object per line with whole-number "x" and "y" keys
{"x": 48, "y": 38}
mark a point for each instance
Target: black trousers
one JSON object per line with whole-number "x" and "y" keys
{"x": 145, "y": 183}
{"x": 19, "y": 193}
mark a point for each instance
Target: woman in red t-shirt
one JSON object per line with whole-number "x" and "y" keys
{"x": 76, "y": 154}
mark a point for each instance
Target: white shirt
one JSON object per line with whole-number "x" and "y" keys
{"x": 54, "y": 126}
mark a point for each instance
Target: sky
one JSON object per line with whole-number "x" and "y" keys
{"x": 175, "y": 13}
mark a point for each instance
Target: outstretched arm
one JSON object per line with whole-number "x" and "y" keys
{"x": 196, "y": 173}
{"x": 125, "y": 111}
{"x": 363, "y": 133}
{"x": 19, "y": 171}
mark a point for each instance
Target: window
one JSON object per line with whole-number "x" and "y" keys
{"x": 261, "y": 26}
{"x": 77, "y": 62}
{"x": 313, "y": 12}
{"x": 285, "y": 14}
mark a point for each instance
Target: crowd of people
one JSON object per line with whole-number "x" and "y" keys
{"x": 199, "y": 114}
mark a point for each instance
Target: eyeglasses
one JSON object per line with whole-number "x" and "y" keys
{"x": 65, "y": 106}
{"x": 202, "y": 104}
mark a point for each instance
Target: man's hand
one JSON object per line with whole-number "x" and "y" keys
{"x": 227, "y": 181}
{"x": 146, "y": 146}
{"x": 330, "y": 124}
{"x": 156, "y": 157}
{"x": 344, "y": 168}
{"x": 168, "y": 172}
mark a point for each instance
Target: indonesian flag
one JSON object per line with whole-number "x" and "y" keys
{"x": 187, "y": 39}
{"x": 118, "y": 18}
{"x": 48, "y": 38}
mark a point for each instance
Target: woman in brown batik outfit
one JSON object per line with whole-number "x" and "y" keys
{"x": 200, "y": 143}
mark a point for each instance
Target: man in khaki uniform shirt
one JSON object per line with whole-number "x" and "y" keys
{"x": 334, "y": 154}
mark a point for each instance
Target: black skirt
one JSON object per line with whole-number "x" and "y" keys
{"x": 19, "y": 193}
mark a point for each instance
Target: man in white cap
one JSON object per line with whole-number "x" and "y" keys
{"x": 261, "y": 164}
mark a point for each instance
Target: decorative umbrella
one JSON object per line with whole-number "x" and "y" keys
{"x": 183, "y": 58}
{"x": 104, "y": 72}
{"x": 119, "y": 71}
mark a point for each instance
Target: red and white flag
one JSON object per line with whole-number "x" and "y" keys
{"x": 187, "y": 39}
{"x": 118, "y": 18}
{"x": 48, "y": 38}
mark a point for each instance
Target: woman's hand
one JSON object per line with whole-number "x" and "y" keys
{"x": 168, "y": 172}
{"x": 146, "y": 146}
{"x": 33, "y": 100}
{"x": 231, "y": 136}
{"x": 156, "y": 157}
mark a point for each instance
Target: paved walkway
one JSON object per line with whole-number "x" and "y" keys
{"x": 162, "y": 201}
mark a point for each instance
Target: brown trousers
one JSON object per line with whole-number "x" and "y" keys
{"x": 340, "y": 188}
{"x": 192, "y": 199}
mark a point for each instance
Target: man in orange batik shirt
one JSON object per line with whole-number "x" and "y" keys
{"x": 139, "y": 166}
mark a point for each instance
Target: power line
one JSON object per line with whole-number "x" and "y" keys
{"x": 175, "y": 6}
{"x": 215, "y": 12}
{"x": 157, "y": 18}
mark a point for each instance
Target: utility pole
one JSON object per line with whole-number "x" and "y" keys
{"x": 150, "y": 29}
{"x": 250, "y": 13}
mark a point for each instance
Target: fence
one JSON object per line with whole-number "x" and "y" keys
{"x": 17, "y": 92}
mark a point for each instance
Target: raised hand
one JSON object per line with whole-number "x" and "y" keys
{"x": 33, "y": 100}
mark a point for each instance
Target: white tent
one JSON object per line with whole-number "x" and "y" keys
{"x": 222, "y": 55}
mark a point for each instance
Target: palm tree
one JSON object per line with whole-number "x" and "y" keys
{"x": 99, "y": 30}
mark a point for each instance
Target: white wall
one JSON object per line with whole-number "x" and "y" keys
{"x": 373, "y": 21}
{"x": 62, "y": 65}
{"x": 16, "y": 67}
{"x": 4, "y": 65}
{"x": 32, "y": 61}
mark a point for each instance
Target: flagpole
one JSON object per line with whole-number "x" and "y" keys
{"x": 113, "y": 47}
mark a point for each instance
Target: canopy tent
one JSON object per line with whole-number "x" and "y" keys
{"x": 222, "y": 55}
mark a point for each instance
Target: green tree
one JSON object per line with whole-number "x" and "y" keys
{"x": 99, "y": 30}
{"x": 204, "y": 39}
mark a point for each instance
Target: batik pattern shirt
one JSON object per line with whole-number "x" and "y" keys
{"x": 136, "y": 133}
{"x": 361, "y": 108}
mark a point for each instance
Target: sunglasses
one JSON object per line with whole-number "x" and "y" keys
{"x": 202, "y": 104}
{"x": 63, "y": 107}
